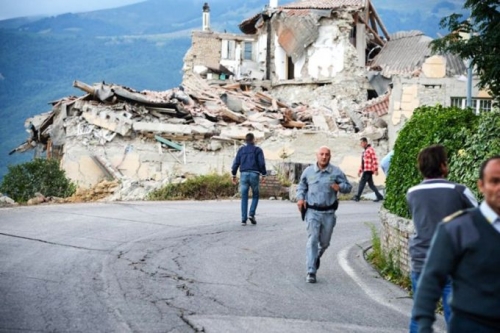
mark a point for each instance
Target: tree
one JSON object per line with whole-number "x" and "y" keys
{"x": 483, "y": 46}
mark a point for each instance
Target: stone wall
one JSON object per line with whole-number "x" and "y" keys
{"x": 411, "y": 93}
{"x": 205, "y": 50}
{"x": 273, "y": 188}
{"x": 394, "y": 235}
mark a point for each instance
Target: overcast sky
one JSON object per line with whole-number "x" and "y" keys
{"x": 19, "y": 8}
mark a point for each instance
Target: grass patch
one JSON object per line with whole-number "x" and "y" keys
{"x": 385, "y": 263}
{"x": 205, "y": 187}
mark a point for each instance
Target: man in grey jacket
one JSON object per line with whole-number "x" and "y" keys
{"x": 429, "y": 202}
{"x": 317, "y": 194}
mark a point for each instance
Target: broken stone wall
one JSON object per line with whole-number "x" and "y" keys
{"x": 139, "y": 159}
{"x": 410, "y": 93}
{"x": 205, "y": 51}
{"x": 321, "y": 51}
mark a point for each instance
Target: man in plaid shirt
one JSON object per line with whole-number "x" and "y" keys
{"x": 369, "y": 166}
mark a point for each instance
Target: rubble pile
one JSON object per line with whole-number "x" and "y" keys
{"x": 100, "y": 191}
{"x": 137, "y": 141}
{"x": 194, "y": 111}
{"x": 5, "y": 201}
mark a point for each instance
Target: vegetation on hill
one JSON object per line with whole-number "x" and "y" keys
{"x": 38, "y": 69}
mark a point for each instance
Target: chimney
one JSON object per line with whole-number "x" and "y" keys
{"x": 206, "y": 17}
{"x": 273, "y": 4}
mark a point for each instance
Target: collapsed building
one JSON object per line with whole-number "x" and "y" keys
{"x": 301, "y": 75}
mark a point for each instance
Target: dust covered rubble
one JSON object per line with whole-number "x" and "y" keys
{"x": 204, "y": 117}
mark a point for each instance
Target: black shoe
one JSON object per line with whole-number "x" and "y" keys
{"x": 243, "y": 223}
{"x": 355, "y": 198}
{"x": 378, "y": 199}
{"x": 311, "y": 278}
{"x": 252, "y": 220}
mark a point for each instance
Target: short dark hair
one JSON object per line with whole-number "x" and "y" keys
{"x": 249, "y": 137}
{"x": 363, "y": 139}
{"x": 485, "y": 163}
{"x": 430, "y": 160}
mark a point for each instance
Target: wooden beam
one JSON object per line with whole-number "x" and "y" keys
{"x": 373, "y": 23}
{"x": 83, "y": 86}
{"x": 375, "y": 35}
{"x": 379, "y": 21}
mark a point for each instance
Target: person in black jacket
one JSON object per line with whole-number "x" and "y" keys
{"x": 250, "y": 160}
{"x": 466, "y": 246}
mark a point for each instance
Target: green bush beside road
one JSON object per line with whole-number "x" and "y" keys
{"x": 40, "y": 175}
{"x": 456, "y": 129}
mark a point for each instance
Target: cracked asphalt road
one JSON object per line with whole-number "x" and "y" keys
{"x": 188, "y": 267}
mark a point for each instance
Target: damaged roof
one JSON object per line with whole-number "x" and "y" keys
{"x": 406, "y": 52}
{"x": 379, "y": 105}
{"x": 303, "y": 7}
{"x": 325, "y": 4}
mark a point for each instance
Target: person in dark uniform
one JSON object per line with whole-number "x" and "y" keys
{"x": 466, "y": 246}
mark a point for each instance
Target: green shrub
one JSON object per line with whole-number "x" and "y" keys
{"x": 204, "y": 187}
{"x": 484, "y": 143}
{"x": 22, "y": 181}
{"x": 450, "y": 126}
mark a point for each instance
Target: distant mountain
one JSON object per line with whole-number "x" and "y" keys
{"x": 140, "y": 46}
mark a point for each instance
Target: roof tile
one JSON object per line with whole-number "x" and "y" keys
{"x": 325, "y": 4}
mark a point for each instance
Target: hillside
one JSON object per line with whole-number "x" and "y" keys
{"x": 140, "y": 46}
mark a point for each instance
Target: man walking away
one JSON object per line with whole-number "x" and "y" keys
{"x": 466, "y": 246}
{"x": 317, "y": 192}
{"x": 369, "y": 166}
{"x": 250, "y": 160}
{"x": 430, "y": 202}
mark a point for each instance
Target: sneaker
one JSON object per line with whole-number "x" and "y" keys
{"x": 378, "y": 199}
{"x": 317, "y": 262}
{"x": 311, "y": 278}
{"x": 243, "y": 223}
{"x": 252, "y": 220}
{"x": 355, "y": 198}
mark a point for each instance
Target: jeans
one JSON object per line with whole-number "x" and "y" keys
{"x": 319, "y": 233}
{"x": 367, "y": 177}
{"x": 249, "y": 180}
{"x": 445, "y": 296}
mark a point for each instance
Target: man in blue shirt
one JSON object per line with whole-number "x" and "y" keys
{"x": 317, "y": 194}
{"x": 250, "y": 160}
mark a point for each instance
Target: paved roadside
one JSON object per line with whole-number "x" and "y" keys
{"x": 383, "y": 292}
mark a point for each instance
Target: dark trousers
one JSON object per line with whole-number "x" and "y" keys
{"x": 367, "y": 177}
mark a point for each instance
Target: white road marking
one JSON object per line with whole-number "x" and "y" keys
{"x": 373, "y": 294}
